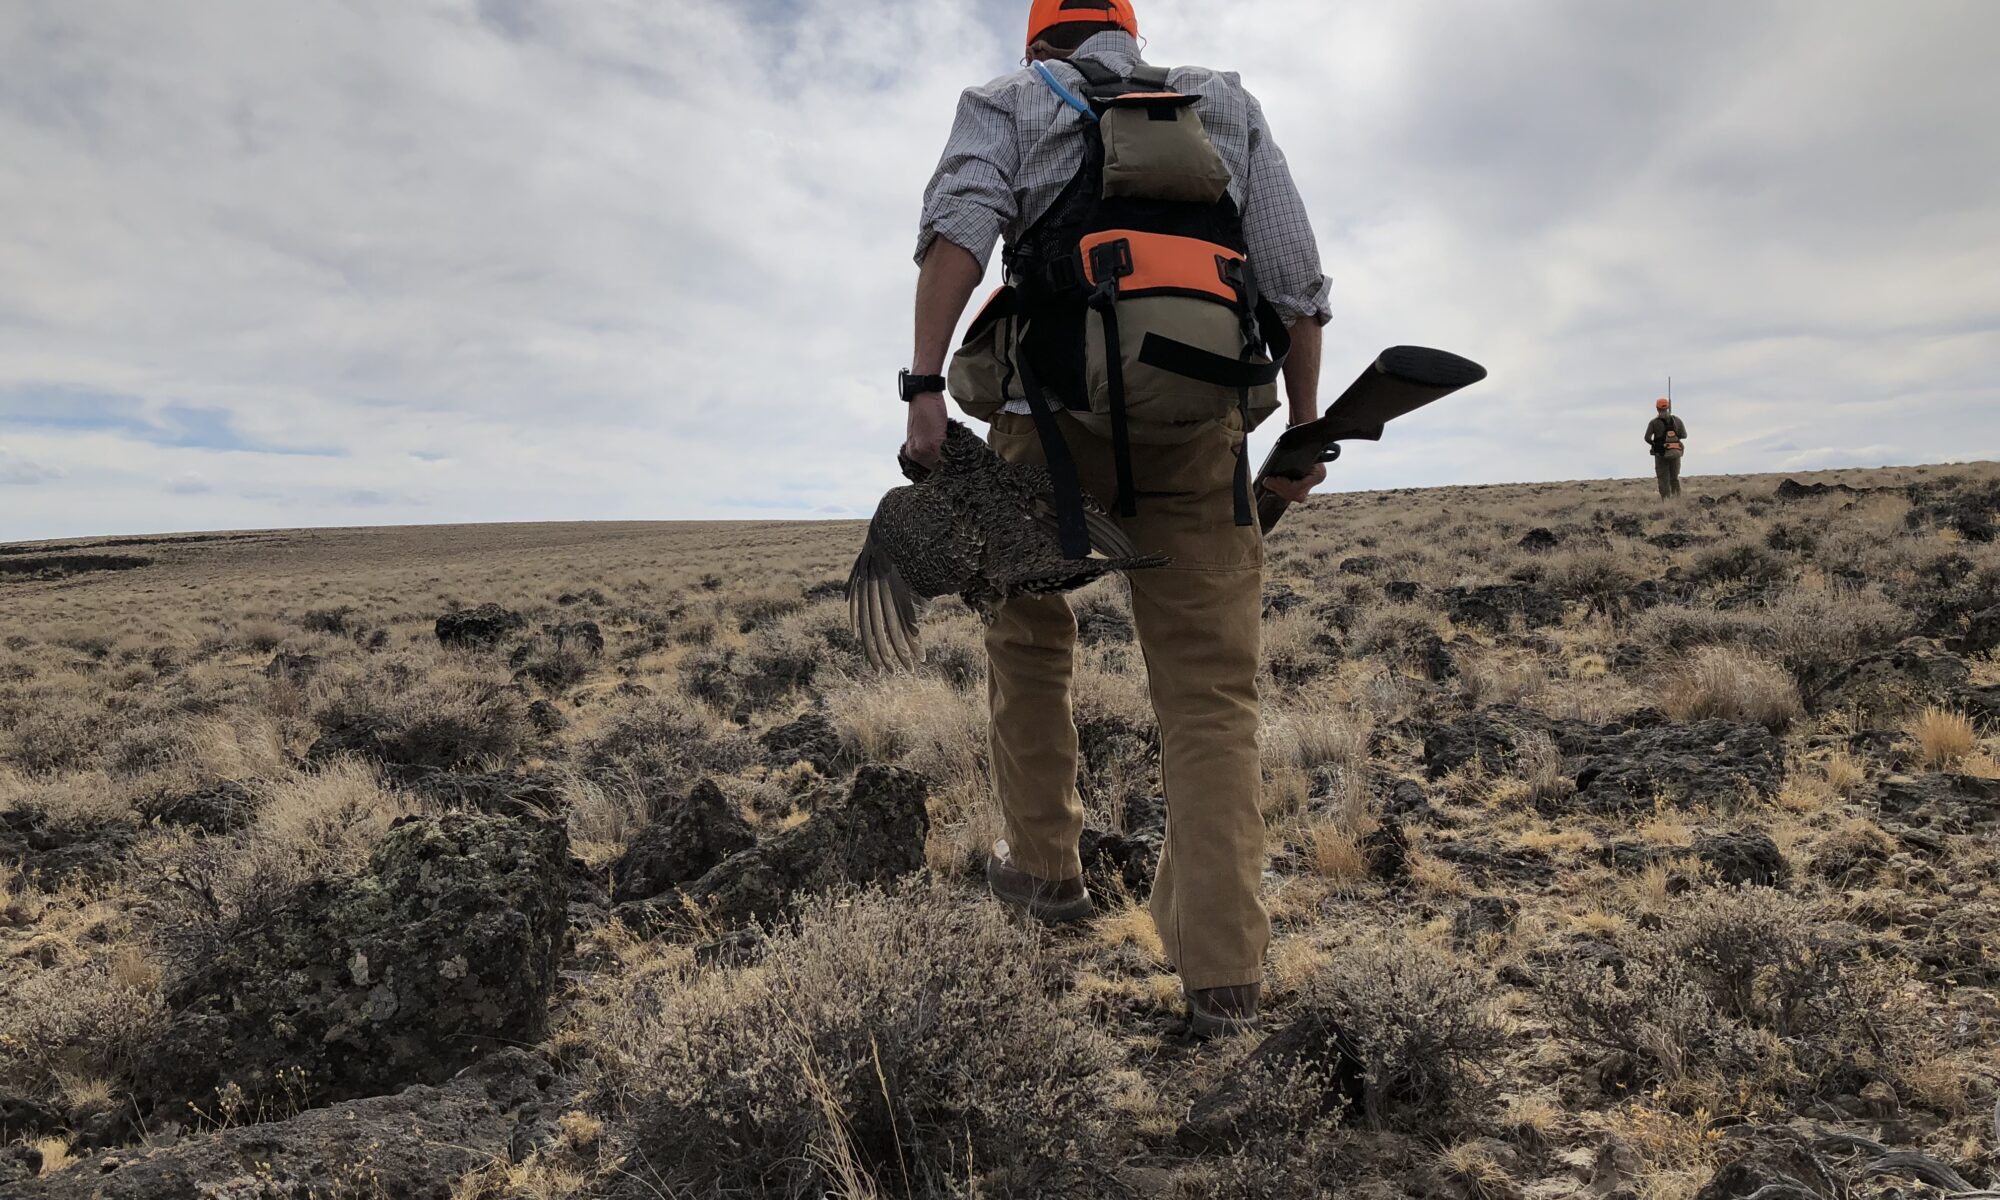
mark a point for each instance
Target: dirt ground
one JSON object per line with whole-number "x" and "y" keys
{"x": 1617, "y": 848}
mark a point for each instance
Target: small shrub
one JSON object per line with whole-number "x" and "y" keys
{"x": 907, "y": 1043}
{"x": 1744, "y": 563}
{"x": 1421, "y": 1025}
{"x": 667, "y": 740}
{"x": 1719, "y": 681}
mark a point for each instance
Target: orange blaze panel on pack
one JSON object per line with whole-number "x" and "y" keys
{"x": 1164, "y": 262}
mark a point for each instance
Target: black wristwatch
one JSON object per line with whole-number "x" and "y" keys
{"x": 909, "y": 386}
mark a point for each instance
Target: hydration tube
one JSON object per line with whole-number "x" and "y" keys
{"x": 1062, "y": 93}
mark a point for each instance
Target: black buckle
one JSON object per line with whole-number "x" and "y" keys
{"x": 1111, "y": 261}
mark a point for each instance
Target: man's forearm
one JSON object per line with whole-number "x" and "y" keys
{"x": 944, "y": 284}
{"x": 1302, "y": 370}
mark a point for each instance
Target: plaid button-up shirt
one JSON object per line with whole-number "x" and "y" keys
{"x": 1015, "y": 146}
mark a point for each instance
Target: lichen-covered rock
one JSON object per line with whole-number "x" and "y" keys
{"x": 1492, "y": 738}
{"x": 686, "y": 838}
{"x": 1702, "y": 764}
{"x": 1745, "y": 858}
{"x": 1494, "y": 606}
{"x": 1877, "y": 688}
{"x": 478, "y": 627}
{"x": 414, "y": 1145}
{"x": 877, "y": 836}
{"x": 810, "y": 739}
{"x": 443, "y": 948}
{"x": 1126, "y": 860}
{"x": 222, "y": 807}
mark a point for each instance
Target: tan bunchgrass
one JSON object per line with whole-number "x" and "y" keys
{"x": 1727, "y": 682}
{"x": 55, "y": 1152}
{"x": 1126, "y": 923}
{"x": 1944, "y": 738}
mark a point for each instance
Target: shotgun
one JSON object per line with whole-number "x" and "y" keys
{"x": 1401, "y": 380}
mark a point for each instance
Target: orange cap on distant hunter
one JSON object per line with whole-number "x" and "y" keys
{"x": 1662, "y": 404}
{"x": 1047, "y": 14}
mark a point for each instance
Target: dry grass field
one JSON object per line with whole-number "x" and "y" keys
{"x": 1617, "y": 849}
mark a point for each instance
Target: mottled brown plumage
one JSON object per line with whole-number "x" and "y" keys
{"x": 976, "y": 526}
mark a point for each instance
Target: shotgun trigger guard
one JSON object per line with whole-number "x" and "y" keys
{"x": 1331, "y": 452}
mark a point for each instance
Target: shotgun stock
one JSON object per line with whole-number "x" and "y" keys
{"x": 1400, "y": 381}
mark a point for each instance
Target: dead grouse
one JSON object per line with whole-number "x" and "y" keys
{"x": 977, "y": 526}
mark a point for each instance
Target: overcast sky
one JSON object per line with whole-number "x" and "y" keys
{"x": 302, "y": 262}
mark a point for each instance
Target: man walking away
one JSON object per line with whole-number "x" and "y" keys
{"x": 1161, "y": 275}
{"x": 1665, "y": 434}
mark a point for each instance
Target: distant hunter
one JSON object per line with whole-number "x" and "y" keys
{"x": 1666, "y": 435}
{"x": 1161, "y": 275}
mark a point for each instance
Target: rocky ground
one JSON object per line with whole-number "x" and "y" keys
{"x": 1617, "y": 850}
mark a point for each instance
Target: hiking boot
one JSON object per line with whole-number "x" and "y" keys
{"x": 1052, "y": 902}
{"x": 1224, "y": 1011}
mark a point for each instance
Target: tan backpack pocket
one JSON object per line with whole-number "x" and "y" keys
{"x": 1155, "y": 148}
{"x": 983, "y": 376}
{"x": 1179, "y": 343}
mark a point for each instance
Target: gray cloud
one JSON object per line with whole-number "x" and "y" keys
{"x": 620, "y": 261}
{"x": 24, "y": 472}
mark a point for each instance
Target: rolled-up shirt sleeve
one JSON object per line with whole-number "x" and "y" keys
{"x": 1279, "y": 233}
{"x": 970, "y": 201}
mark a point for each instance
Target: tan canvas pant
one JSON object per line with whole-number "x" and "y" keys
{"x": 1199, "y": 626}
{"x": 1668, "y": 472}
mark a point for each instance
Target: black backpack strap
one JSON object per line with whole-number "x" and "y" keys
{"x": 1109, "y": 263}
{"x": 1152, "y": 76}
{"x": 1071, "y": 532}
{"x": 1094, "y": 73}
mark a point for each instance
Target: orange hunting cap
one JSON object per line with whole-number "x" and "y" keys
{"x": 1662, "y": 403}
{"x": 1047, "y": 14}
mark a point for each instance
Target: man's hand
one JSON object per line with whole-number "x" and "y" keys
{"x": 1294, "y": 490}
{"x": 925, "y": 438}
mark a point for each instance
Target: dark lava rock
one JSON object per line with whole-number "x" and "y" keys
{"x": 1387, "y": 849}
{"x": 1947, "y": 803}
{"x": 1702, "y": 764}
{"x": 1438, "y": 662}
{"x": 546, "y": 718}
{"x": 877, "y": 836}
{"x": 1772, "y": 1162}
{"x": 685, "y": 840}
{"x": 414, "y": 1145}
{"x": 1890, "y": 683}
{"x": 1745, "y": 858}
{"x": 1627, "y": 525}
{"x": 54, "y": 854}
{"x": 216, "y": 808}
{"x": 1491, "y": 736}
{"x": 1982, "y": 704}
{"x": 1401, "y": 591}
{"x": 584, "y": 637}
{"x": 1102, "y": 625}
{"x": 1280, "y": 598}
{"x": 1674, "y": 539}
{"x": 19, "y": 1163}
{"x": 292, "y": 668}
{"x": 482, "y": 626}
{"x": 1104, "y": 740}
{"x": 592, "y": 595}
{"x": 26, "y": 1117}
{"x": 1629, "y": 656}
{"x": 1363, "y": 564}
{"x": 1483, "y": 915}
{"x": 1308, "y": 1047}
{"x": 1114, "y": 862}
{"x": 1540, "y": 539}
{"x": 1493, "y": 606}
{"x": 442, "y": 950}
{"x": 1792, "y": 489}
{"x": 826, "y": 589}
{"x": 809, "y": 739}
{"x": 1982, "y": 633}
